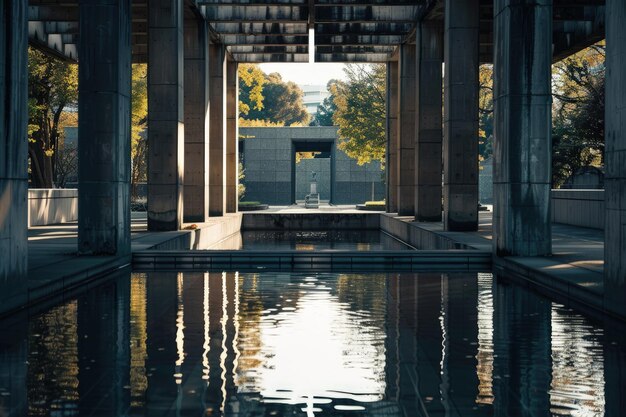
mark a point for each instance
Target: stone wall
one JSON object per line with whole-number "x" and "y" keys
{"x": 52, "y": 206}
{"x": 272, "y": 176}
{"x": 583, "y": 208}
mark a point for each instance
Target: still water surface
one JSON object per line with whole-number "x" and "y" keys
{"x": 359, "y": 240}
{"x": 285, "y": 344}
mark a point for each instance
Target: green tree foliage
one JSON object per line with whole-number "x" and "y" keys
{"x": 326, "y": 110}
{"x": 52, "y": 86}
{"x": 360, "y": 112}
{"x": 251, "y": 82}
{"x": 578, "y": 113}
{"x": 485, "y": 108}
{"x": 139, "y": 120}
{"x": 282, "y": 102}
{"x": 267, "y": 100}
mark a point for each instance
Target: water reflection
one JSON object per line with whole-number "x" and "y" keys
{"x": 359, "y": 240}
{"x": 229, "y": 344}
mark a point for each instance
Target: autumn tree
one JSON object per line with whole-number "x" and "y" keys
{"x": 52, "y": 87}
{"x": 282, "y": 102}
{"x": 251, "y": 82}
{"x": 139, "y": 119}
{"x": 360, "y": 112}
{"x": 578, "y": 113}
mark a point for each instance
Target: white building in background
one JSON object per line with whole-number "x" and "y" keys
{"x": 314, "y": 95}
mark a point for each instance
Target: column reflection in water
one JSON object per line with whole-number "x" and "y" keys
{"x": 53, "y": 360}
{"x": 615, "y": 368}
{"x": 522, "y": 363}
{"x": 161, "y": 313}
{"x": 103, "y": 350}
{"x": 460, "y": 315}
{"x": 429, "y": 342}
{"x": 191, "y": 313}
{"x": 14, "y": 368}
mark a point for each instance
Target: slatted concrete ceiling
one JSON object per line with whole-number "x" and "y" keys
{"x": 278, "y": 30}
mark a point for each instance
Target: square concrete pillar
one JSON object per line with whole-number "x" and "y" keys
{"x": 405, "y": 168}
{"x": 460, "y": 121}
{"x": 391, "y": 158}
{"x": 13, "y": 153}
{"x": 217, "y": 135}
{"x": 166, "y": 136}
{"x": 104, "y": 86}
{"x": 428, "y": 165}
{"x": 522, "y": 128}
{"x": 232, "y": 136}
{"x": 196, "y": 178}
{"x": 615, "y": 159}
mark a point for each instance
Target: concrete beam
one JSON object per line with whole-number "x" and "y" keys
{"x": 405, "y": 168}
{"x": 460, "y": 142}
{"x": 104, "y": 81}
{"x": 428, "y": 164}
{"x": 196, "y": 109}
{"x": 13, "y": 157}
{"x": 615, "y": 158}
{"x": 523, "y": 128}
{"x": 232, "y": 136}
{"x": 217, "y": 135}
{"x": 391, "y": 161}
{"x": 165, "y": 115}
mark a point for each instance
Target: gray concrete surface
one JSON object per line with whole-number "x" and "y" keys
{"x": 217, "y": 129}
{"x": 273, "y": 177}
{"x": 615, "y": 157}
{"x": 104, "y": 105}
{"x": 52, "y": 206}
{"x": 584, "y": 208}
{"x": 54, "y": 265}
{"x": 196, "y": 108}
{"x": 391, "y": 161}
{"x": 522, "y": 128}
{"x": 428, "y": 167}
{"x": 460, "y": 119}
{"x": 232, "y": 136}
{"x": 166, "y": 132}
{"x": 405, "y": 167}
{"x": 14, "y": 150}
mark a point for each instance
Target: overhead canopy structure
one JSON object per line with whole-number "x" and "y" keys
{"x": 344, "y": 30}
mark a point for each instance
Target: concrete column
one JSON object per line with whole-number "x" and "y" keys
{"x": 14, "y": 151}
{"x": 196, "y": 178}
{"x": 460, "y": 120}
{"x": 428, "y": 166}
{"x": 522, "y": 128}
{"x": 615, "y": 157}
{"x": 165, "y": 115}
{"x": 104, "y": 84}
{"x": 232, "y": 136}
{"x": 217, "y": 135}
{"x": 391, "y": 161}
{"x": 406, "y": 130}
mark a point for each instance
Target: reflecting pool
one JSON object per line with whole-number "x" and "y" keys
{"x": 359, "y": 240}
{"x": 326, "y": 344}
